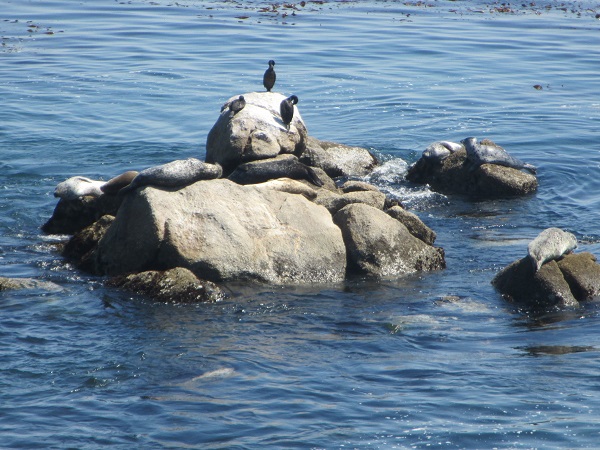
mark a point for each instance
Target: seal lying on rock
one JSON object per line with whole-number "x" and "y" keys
{"x": 438, "y": 151}
{"x": 486, "y": 152}
{"x": 283, "y": 166}
{"x": 76, "y": 187}
{"x": 550, "y": 244}
{"x": 114, "y": 185}
{"x": 178, "y": 173}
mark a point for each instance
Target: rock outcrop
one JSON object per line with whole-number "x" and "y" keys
{"x": 256, "y": 132}
{"x": 380, "y": 246}
{"x": 563, "y": 283}
{"x": 338, "y": 160}
{"x": 70, "y": 216}
{"x": 276, "y": 217}
{"x": 224, "y": 231}
{"x": 454, "y": 175}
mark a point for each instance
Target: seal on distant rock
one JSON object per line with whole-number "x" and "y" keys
{"x": 178, "y": 173}
{"x": 487, "y": 152}
{"x": 283, "y": 166}
{"x": 76, "y": 187}
{"x": 286, "y": 109}
{"x": 550, "y": 244}
{"x": 114, "y": 185}
{"x": 270, "y": 76}
{"x": 237, "y": 105}
{"x": 438, "y": 151}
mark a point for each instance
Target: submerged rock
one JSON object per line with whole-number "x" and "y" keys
{"x": 12, "y": 284}
{"x": 177, "y": 285}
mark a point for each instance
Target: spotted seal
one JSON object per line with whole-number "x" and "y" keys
{"x": 440, "y": 150}
{"x": 76, "y": 187}
{"x": 114, "y": 185}
{"x": 178, "y": 173}
{"x": 550, "y": 244}
{"x": 486, "y": 152}
{"x": 282, "y": 166}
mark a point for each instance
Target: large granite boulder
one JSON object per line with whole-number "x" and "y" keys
{"x": 224, "y": 231}
{"x": 256, "y": 132}
{"x": 413, "y": 224}
{"x": 563, "y": 283}
{"x": 338, "y": 160}
{"x": 380, "y": 246}
{"x": 334, "y": 201}
{"x": 454, "y": 175}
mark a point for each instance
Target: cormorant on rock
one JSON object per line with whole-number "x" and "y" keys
{"x": 269, "y": 76}
{"x": 237, "y": 105}
{"x": 286, "y": 109}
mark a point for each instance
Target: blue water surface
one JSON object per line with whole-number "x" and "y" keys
{"x": 437, "y": 360}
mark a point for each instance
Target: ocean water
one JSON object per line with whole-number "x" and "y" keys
{"x": 437, "y": 360}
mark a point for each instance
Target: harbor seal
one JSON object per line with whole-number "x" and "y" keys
{"x": 114, "y": 185}
{"x": 440, "y": 150}
{"x": 283, "y": 166}
{"x": 76, "y": 187}
{"x": 178, "y": 173}
{"x": 270, "y": 76}
{"x": 286, "y": 109}
{"x": 550, "y": 244}
{"x": 486, "y": 152}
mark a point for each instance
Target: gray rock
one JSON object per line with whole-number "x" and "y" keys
{"x": 380, "y": 246}
{"x": 335, "y": 201}
{"x": 415, "y": 226}
{"x": 582, "y": 272}
{"x": 338, "y": 160}
{"x": 357, "y": 186}
{"x": 71, "y": 216}
{"x": 453, "y": 175}
{"x": 256, "y": 132}
{"x": 544, "y": 288}
{"x": 83, "y": 242}
{"x": 176, "y": 285}
{"x": 224, "y": 231}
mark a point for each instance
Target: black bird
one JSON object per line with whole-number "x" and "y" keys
{"x": 269, "y": 76}
{"x": 237, "y": 105}
{"x": 286, "y": 109}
